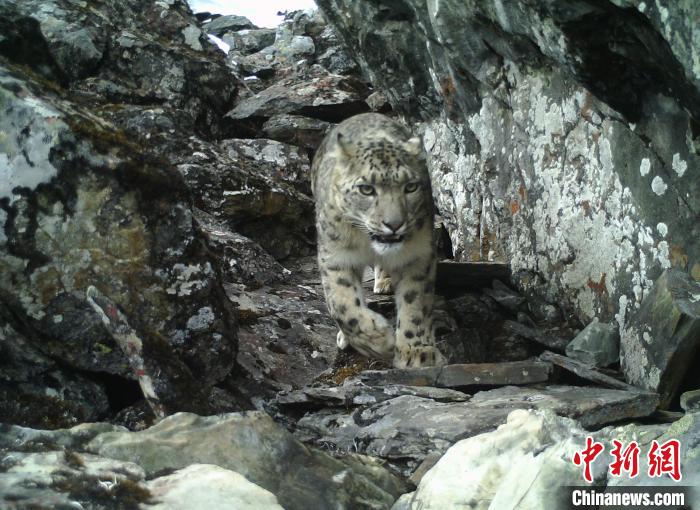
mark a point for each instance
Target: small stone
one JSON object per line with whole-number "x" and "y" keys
{"x": 504, "y": 296}
{"x": 378, "y": 102}
{"x": 598, "y": 345}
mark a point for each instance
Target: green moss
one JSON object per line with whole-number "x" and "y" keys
{"x": 103, "y": 349}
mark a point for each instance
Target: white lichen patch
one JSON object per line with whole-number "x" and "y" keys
{"x": 661, "y": 254}
{"x": 188, "y": 278}
{"x": 662, "y": 229}
{"x": 201, "y": 322}
{"x": 24, "y": 159}
{"x": 658, "y": 185}
{"x": 679, "y": 166}
{"x": 192, "y": 36}
{"x": 644, "y": 167}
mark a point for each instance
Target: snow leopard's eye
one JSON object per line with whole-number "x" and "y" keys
{"x": 411, "y": 187}
{"x": 366, "y": 189}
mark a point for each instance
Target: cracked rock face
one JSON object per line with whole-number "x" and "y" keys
{"x": 561, "y": 137}
{"x": 86, "y": 199}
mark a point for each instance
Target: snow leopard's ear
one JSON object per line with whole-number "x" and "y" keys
{"x": 414, "y": 146}
{"x": 345, "y": 146}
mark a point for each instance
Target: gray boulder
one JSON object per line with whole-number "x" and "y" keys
{"x": 325, "y": 96}
{"x": 250, "y": 41}
{"x": 598, "y": 344}
{"x": 297, "y": 130}
{"x": 663, "y": 335}
{"x": 263, "y": 452}
{"x": 206, "y": 485}
{"x": 230, "y": 23}
{"x": 524, "y": 464}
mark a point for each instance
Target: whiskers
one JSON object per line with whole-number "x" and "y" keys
{"x": 360, "y": 225}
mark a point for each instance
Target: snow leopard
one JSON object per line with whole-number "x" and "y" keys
{"x": 374, "y": 208}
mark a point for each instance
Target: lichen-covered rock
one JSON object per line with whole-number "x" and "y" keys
{"x": 65, "y": 479}
{"x": 250, "y": 41}
{"x": 110, "y": 52}
{"x": 690, "y": 401}
{"x": 277, "y": 161}
{"x": 524, "y": 464}
{"x": 663, "y": 335}
{"x": 243, "y": 260}
{"x": 256, "y": 447}
{"x": 297, "y": 130}
{"x": 560, "y": 136}
{"x": 230, "y": 23}
{"x": 83, "y": 205}
{"x": 244, "y": 192}
{"x": 324, "y": 96}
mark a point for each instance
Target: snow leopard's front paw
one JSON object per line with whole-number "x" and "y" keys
{"x": 407, "y": 356}
{"x": 376, "y": 340}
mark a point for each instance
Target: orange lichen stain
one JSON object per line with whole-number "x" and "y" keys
{"x": 522, "y": 192}
{"x": 598, "y": 287}
{"x": 448, "y": 92}
{"x": 678, "y": 257}
{"x": 586, "y": 106}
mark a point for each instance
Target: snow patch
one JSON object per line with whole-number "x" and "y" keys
{"x": 219, "y": 43}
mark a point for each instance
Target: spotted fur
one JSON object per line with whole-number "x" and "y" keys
{"x": 374, "y": 208}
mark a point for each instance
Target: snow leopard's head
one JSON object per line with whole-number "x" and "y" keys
{"x": 385, "y": 188}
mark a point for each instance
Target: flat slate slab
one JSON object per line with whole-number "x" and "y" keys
{"x": 411, "y": 427}
{"x": 468, "y": 374}
{"x": 585, "y": 371}
{"x": 361, "y": 394}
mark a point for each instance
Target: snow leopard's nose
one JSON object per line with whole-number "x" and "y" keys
{"x": 394, "y": 226}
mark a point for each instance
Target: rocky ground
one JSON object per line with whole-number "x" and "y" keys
{"x": 164, "y": 341}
